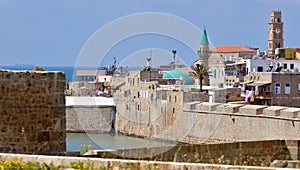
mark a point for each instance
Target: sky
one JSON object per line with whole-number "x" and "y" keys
{"x": 54, "y": 32}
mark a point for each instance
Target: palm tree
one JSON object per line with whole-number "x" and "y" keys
{"x": 200, "y": 70}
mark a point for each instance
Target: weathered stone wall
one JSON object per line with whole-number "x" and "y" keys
{"x": 32, "y": 112}
{"x": 98, "y": 119}
{"x": 214, "y": 123}
{"x": 255, "y": 153}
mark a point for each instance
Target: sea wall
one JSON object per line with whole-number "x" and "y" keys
{"x": 32, "y": 112}
{"x": 90, "y": 114}
{"x": 257, "y": 153}
{"x": 200, "y": 123}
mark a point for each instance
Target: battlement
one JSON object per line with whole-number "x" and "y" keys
{"x": 244, "y": 109}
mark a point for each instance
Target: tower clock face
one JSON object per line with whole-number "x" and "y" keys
{"x": 277, "y": 30}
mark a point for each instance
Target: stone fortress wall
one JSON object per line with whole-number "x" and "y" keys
{"x": 90, "y": 114}
{"x": 216, "y": 122}
{"x": 32, "y": 111}
{"x": 206, "y": 122}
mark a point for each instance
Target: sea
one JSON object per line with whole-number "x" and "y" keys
{"x": 68, "y": 70}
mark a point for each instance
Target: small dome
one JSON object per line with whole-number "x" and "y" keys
{"x": 177, "y": 74}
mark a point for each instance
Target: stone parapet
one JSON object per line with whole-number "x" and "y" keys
{"x": 207, "y": 106}
{"x": 190, "y": 105}
{"x": 102, "y": 163}
{"x": 252, "y": 109}
{"x": 273, "y": 110}
{"x": 290, "y": 112}
{"x": 229, "y": 108}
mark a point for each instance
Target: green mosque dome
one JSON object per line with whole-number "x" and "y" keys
{"x": 177, "y": 74}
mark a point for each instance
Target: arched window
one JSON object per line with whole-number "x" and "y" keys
{"x": 277, "y": 88}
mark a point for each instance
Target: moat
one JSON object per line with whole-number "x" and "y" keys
{"x": 106, "y": 141}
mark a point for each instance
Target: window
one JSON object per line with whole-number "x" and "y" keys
{"x": 291, "y": 66}
{"x": 138, "y": 94}
{"x": 287, "y": 88}
{"x": 173, "y": 110}
{"x": 169, "y": 98}
{"x": 299, "y": 88}
{"x": 277, "y": 88}
{"x": 138, "y": 107}
{"x": 284, "y": 66}
{"x": 215, "y": 73}
{"x": 260, "y": 69}
{"x": 175, "y": 99}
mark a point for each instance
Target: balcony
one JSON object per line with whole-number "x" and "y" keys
{"x": 264, "y": 95}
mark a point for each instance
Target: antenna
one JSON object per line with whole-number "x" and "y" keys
{"x": 174, "y": 56}
{"x": 148, "y": 62}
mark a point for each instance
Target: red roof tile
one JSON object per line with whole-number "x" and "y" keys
{"x": 229, "y": 49}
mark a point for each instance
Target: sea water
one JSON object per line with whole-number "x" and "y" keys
{"x": 107, "y": 141}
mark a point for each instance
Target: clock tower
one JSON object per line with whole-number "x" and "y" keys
{"x": 275, "y": 32}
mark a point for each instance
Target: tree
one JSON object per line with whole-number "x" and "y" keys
{"x": 200, "y": 70}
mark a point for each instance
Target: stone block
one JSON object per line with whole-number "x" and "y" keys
{"x": 252, "y": 109}
{"x": 290, "y": 112}
{"x": 190, "y": 105}
{"x": 273, "y": 110}
{"x": 207, "y": 106}
{"x": 229, "y": 108}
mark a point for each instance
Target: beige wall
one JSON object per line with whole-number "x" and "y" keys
{"x": 145, "y": 110}
{"x": 93, "y": 119}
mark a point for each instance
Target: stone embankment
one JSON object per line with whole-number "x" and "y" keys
{"x": 90, "y": 114}
{"x": 216, "y": 122}
{"x": 207, "y": 122}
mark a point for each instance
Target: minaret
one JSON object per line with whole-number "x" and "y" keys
{"x": 204, "y": 48}
{"x": 275, "y": 32}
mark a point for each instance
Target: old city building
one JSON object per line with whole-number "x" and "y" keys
{"x": 273, "y": 88}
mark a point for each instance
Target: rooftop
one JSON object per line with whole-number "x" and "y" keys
{"x": 231, "y": 49}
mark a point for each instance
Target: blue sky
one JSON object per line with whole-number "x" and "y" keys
{"x": 53, "y": 32}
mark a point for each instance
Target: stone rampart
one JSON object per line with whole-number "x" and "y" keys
{"x": 239, "y": 122}
{"x": 90, "y": 114}
{"x": 255, "y": 153}
{"x": 32, "y": 110}
{"x": 200, "y": 123}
